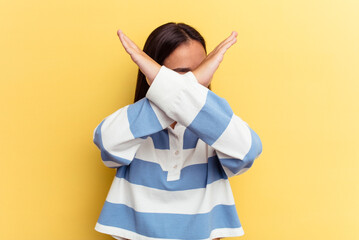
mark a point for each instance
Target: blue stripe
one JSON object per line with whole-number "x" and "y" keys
{"x": 212, "y": 119}
{"x": 161, "y": 139}
{"x": 169, "y": 225}
{"x": 235, "y": 165}
{"x": 105, "y": 155}
{"x": 151, "y": 175}
{"x": 142, "y": 119}
{"x": 189, "y": 139}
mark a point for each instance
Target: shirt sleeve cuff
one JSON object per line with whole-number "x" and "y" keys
{"x": 180, "y": 96}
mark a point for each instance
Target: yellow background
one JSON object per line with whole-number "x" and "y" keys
{"x": 292, "y": 76}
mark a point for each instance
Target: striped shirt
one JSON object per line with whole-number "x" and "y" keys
{"x": 172, "y": 183}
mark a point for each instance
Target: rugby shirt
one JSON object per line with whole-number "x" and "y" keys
{"x": 173, "y": 183}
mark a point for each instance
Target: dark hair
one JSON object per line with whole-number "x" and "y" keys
{"x": 161, "y": 43}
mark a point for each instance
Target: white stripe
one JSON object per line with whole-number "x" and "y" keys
{"x": 216, "y": 233}
{"x": 188, "y": 157}
{"x": 192, "y": 201}
{"x": 164, "y": 120}
{"x": 177, "y": 94}
{"x": 198, "y": 155}
{"x": 117, "y": 137}
{"x": 147, "y": 152}
{"x": 235, "y": 141}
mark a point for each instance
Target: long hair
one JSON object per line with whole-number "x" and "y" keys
{"x": 161, "y": 43}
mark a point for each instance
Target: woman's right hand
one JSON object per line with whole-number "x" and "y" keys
{"x": 147, "y": 65}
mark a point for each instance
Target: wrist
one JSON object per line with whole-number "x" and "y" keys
{"x": 154, "y": 70}
{"x": 200, "y": 78}
{"x": 148, "y": 67}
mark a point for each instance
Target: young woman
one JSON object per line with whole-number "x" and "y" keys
{"x": 176, "y": 146}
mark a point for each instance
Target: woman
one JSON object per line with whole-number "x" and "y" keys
{"x": 176, "y": 146}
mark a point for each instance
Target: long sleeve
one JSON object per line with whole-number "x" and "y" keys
{"x": 119, "y": 135}
{"x": 207, "y": 115}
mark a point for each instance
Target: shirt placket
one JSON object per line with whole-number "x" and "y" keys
{"x": 174, "y": 168}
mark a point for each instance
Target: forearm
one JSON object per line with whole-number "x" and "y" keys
{"x": 148, "y": 67}
{"x": 207, "y": 115}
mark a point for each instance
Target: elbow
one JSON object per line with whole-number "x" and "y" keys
{"x": 97, "y": 136}
{"x": 253, "y": 153}
{"x": 256, "y": 147}
{"x": 108, "y": 153}
{"x": 238, "y": 166}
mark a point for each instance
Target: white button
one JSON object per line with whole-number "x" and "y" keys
{"x": 175, "y": 166}
{"x": 177, "y": 152}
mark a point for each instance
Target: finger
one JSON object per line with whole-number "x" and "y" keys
{"x": 125, "y": 38}
{"x": 126, "y": 42}
{"x": 121, "y": 35}
{"x": 123, "y": 41}
{"x": 130, "y": 42}
{"x": 119, "y": 31}
{"x": 228, "y": 39}
{"x": 229, "y": 43}
{"x": 222, "y": 49}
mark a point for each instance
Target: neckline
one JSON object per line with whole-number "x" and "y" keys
{"x": 177, "y": 129}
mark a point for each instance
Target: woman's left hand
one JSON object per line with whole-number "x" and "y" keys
{"x": 204, "y": 72}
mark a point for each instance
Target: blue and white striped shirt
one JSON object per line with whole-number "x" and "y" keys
{"x": 173, "y": 183}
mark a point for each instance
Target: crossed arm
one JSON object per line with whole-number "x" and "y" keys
{"x": 186, "y": 99}
{"x": 203, "y": 72}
